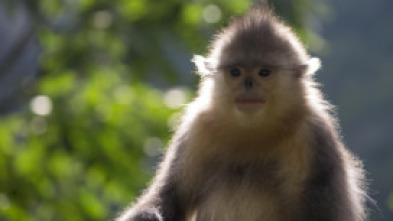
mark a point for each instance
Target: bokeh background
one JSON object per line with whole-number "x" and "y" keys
{"x": 90, "y": 91}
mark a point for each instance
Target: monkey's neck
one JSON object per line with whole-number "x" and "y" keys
{"x": 267, "y": 126}
{"x": 224, "y": 133}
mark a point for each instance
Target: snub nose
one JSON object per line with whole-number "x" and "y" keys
{"x": 248, "y": 83}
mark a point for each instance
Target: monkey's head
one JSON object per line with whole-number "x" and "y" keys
{"x": 256, "y": 68}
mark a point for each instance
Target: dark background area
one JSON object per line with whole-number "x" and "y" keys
{"x": 357, "y": 75}
{"x": 90, "y": 91}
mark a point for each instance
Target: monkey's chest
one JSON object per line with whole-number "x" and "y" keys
{"x": 257, "y": 177}
{"x": 246, "y": 192}
{"x": 227, "y": 204}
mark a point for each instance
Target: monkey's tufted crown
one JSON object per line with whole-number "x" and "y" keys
{"x": 255, "y": 38}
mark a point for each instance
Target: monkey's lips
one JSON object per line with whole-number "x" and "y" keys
{"x": 249, "y": 104}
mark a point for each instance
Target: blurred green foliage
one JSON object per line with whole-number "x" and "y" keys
{"x": 104, "y": 70}
{"x": 85, "y": 157}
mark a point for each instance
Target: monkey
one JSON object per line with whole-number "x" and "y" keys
{"x": 259, "y": 142}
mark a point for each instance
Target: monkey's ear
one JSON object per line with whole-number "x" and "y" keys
{"x": 313, "y": 65}
{"x": 205, "y": 66}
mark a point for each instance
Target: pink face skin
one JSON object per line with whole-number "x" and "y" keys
{"x": 250, "y": 87}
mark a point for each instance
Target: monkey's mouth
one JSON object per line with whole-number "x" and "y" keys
{"x": 249, "y": 104}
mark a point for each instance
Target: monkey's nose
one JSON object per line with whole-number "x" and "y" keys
{"x": 248, "y": 83}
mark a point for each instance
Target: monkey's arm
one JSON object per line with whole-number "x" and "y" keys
{"x": 328, "y": 190}
{"x": 160, "y": 202}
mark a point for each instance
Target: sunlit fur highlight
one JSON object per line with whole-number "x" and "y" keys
{"x": 283, "y": 162}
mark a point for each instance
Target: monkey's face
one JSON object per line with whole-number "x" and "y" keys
{"x": 259, "y": 90}
{"x": 249, "y": 86}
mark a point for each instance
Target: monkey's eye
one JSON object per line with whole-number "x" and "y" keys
{"x": 235, "y": 72}
{"x": 264, "y": 72}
